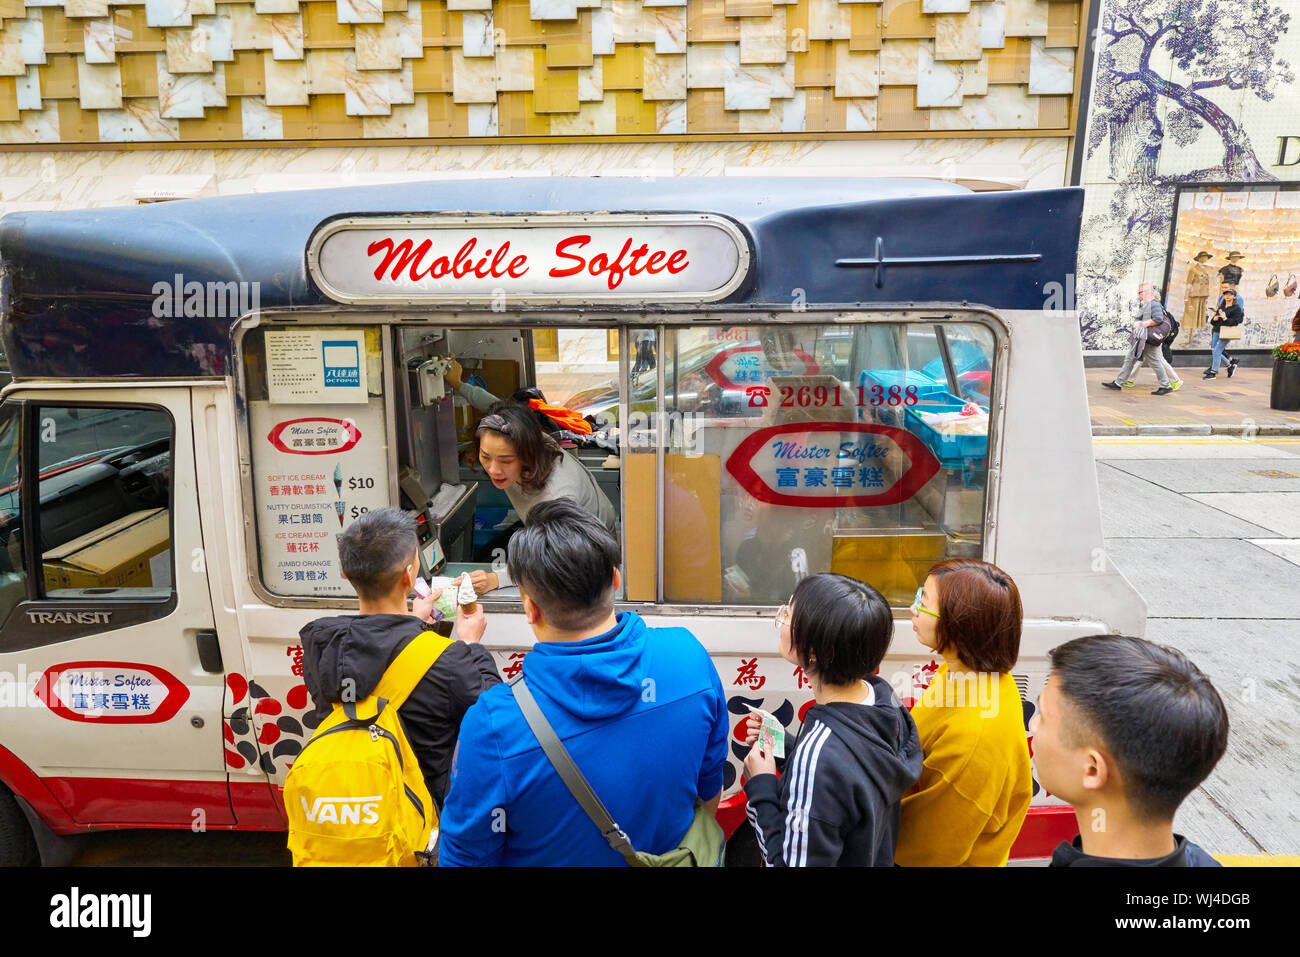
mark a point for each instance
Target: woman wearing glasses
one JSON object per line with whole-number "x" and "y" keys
{"x": 530, "y": 467}
{"x": 974, "y": 790}
{"x": 837, "y": 803}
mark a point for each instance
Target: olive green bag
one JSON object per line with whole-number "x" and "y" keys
{"x": 704, "y": 843}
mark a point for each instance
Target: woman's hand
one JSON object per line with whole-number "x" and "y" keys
{"x": 759, "y": 762}
{"x": 453, "y": 375}
{"x": 484, "y": 581}
{"x": 752, "y": 724}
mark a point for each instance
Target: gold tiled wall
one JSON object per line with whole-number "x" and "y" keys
{"x": 85, "y": 71}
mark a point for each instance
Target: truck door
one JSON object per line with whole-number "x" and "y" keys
{"x": 106, "y": 609}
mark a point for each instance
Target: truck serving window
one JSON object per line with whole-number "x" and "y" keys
{"x": 343, "y": 419}
{"x": 104, "y": 525}
{"x": 794, "y": 449}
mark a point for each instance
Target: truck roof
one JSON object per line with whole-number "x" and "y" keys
{"x": 77, "y": 288}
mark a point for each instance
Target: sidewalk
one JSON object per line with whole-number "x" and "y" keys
{"x": 1200, "y": 407}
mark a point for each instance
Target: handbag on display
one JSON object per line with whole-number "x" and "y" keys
{"x": 1289, "y": 289}
{"x": 1271, "y": 289}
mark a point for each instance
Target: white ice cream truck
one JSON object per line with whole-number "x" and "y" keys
{"x": 206, "y": 392}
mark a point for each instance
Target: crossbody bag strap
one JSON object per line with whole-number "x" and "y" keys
{"x": 559, "y": 757}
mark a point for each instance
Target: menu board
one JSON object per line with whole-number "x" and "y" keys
{"x": 314, "y": 473}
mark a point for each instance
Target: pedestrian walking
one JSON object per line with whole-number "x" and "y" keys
{"x": 1149, "y": 331}
{"x": 1227, "y": 317}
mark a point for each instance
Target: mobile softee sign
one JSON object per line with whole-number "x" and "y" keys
{"x": 626, "y": 258}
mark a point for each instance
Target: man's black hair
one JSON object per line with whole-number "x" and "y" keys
{"x": 564, "y": 560}
{"x": 375, "y": 550}
{"x": 841, "y": 627}
{"x": 1154, "y": 711}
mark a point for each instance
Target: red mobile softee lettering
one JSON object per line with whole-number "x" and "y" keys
{"x": 924, "y": 466}
{"x": 460, "y": 266}
{"x": 617, "y": 269}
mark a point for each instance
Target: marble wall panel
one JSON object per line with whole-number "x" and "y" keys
{"x": 1051, "y": 71}
{"x": 32, "y": 37}
{"x": 958, "y": 36}
{"x": 99, "y": 86}
{"x": 764, "y": 39}
{"x": 286, "y": 36}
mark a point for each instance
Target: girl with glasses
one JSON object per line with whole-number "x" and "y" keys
{"x": 976, "y": 783}
{"x": 837, "y": 802}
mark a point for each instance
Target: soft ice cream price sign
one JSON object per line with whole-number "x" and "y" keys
{"x": 312, "y": 477}
{"x": 743, "y": 366}
{"x": 832, "y": 465}
{"x": 111, "y": 692}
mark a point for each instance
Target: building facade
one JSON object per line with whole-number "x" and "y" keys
{"x": 1193, "y": 167}
{"x": 105, "y": 102}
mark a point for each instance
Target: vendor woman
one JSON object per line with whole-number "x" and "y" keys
{"x": 527, "y": 464}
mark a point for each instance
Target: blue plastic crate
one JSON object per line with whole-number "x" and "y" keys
{"x": 926, "y": 386}
{"x": 952, "y": 451}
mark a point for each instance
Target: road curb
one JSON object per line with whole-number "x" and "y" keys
{"x": 1194, "y": 428}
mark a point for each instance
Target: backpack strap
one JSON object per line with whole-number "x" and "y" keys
{"x": 409, "y": 667}
{"x": 569, "y": 773}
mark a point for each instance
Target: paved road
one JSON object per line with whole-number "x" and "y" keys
{"x": 1208, "y": 530}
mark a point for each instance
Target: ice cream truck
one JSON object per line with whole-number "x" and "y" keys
{"x": 781, "y": 377}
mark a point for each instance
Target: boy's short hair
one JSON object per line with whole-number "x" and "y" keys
{"x": 1154, "y": 711}
{"x": 375, "y": 550}
{"x": 841, "y": 627}
{"x": 980, "y": 615}
{"x": 564, "y": 560}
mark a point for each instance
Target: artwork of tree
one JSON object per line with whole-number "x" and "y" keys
{"x": 1199, "y": 47}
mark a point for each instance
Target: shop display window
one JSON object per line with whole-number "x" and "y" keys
{"x": 1247, "y": 237}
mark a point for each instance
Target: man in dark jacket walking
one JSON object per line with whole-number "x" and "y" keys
{"x": 345, "y": 656}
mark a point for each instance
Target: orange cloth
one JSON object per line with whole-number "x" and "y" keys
{"x": 564, "y": 418}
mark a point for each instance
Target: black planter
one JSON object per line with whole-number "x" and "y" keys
{"x": 1286, "y": 386}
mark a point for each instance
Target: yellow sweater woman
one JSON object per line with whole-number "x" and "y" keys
{"x": 974, "y": 790}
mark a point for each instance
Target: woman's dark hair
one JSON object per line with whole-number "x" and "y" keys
{"x": 1157, "y": 714}
{"x": 537, "y": 451}
{"x": 841, "y": 627}
{"x": 979, "y": 614}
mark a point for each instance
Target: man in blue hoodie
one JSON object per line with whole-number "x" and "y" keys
{"x": 641, "y": 711}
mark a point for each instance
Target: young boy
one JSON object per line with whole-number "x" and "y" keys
{"x": 838, "y": 802}
{"x": 1124, "y": 730}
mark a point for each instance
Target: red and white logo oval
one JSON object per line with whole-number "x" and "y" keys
{"x": 832, "y": 465}
{"x": 315, "y": 436}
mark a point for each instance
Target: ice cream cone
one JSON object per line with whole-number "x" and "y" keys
{"x": 466, "y": 596}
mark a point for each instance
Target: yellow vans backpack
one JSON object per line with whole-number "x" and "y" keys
{"x": 355, "y": 796}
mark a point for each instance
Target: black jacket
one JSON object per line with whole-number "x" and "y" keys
{"x": 1185, "y": 854}
{"x": 1232, "y": 316}
{"x": 361, "y": 647}
{"x": 838, "y": 801}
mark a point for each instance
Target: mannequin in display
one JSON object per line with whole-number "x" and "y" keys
{"x": 1199, "y": 279}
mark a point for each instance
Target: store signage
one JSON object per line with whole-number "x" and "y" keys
{"x": 832, "y": 465}
{"x": 624, "y": 258}
{"x": 314, "y": 436}
{"x": 1288, "y": 151}
{"x": 111, "y": 692}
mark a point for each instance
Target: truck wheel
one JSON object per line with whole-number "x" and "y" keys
{"x": 17, "y": 843}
